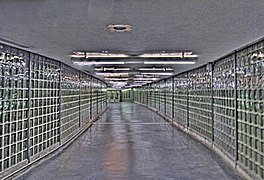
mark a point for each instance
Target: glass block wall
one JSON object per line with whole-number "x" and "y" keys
{"x": 168, "y": 97}
{"x": 250, "y": 99}
{"x": 200, "y": 101}
{"x": 224, "y": 105}
{"x": 156, "y": 95}
{"x": 43, "y": 102}
{"x": 180, "y": 93}
{"x": 149, "y": 94}
{"x": 162, "y": 96}
{"x": 152, "y": 96}
{"x": 85, "y": 98}
{"x": 70, "y": 104}
{"x": 94, "y": 101}
{"x": 14, "y": 80}
{"x": 222, "y": 102}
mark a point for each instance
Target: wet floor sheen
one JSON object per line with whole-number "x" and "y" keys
{"x": 132, "y": 142}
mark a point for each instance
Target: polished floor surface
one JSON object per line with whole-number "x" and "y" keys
{"x": 132, "y": 142}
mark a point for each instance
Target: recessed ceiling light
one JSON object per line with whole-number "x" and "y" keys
{"x": 119, "y": 27}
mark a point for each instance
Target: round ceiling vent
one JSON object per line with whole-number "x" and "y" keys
{"x": 119, "y": 27}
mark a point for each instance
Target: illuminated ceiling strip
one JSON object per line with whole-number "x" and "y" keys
{"x": 77, "y": 56}
{"x": 111, "y": 69}
{"x": 134, "y": 62}
{"x": 105, "y": 54}
{"x": 163, "y": 74}
{"x": 169, "y": 62}
{"x": 97, "y": 63}
{"x": 142, "y": 81}
{"x": 169, "y": 55}
{"x": 112, "y": 73}
{"x": 155, "y": 69}
{"x": 152, "y": 79}
{"x": 157, "y": 55}
{"x": 116, "y": 79}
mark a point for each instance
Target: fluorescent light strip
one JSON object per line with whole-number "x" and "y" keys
{"x": 96, "y": 63}
{"x": 111, "y": 74}
{"x": 116, "y": 79}
{"x": 142, "y": 81}
{"x": 163, "y": 74}
{"x": 147, "y": 79}
{"x": 111, "y": 69}
{"x": 157, "y": 55}
{"x": 114, "y": 82}
{"x": 155, "y": 69}
{"x": 104, "y": 55}
{"x": 134, "y": 62}
{"x": 169, "y": 55}
{"x": 169, "y": 62}
{"x": 77, "y": 56}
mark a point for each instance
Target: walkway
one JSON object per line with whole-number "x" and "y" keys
{"x": 132, "y": 142}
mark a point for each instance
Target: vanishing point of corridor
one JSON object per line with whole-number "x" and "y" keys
{"x": 132, "y": 142}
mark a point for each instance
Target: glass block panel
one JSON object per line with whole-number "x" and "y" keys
{"x": 44, "y": 115}
{"x": 250, "y": 99}
{"x": 168, "y": 98}
{"x": 85, "y": 98}
{"x": 94, "y": 98}
{"x": 200, "y": 101}
{"x": 224, "y": 104}
{"x": 14, "y": 80}
{"x": 162, "y": 96}
{"x": 70, "y": 107}
{"x": 181, "y": 85}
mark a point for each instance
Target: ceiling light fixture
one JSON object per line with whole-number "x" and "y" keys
{"x": 134, "y": 62}
{"x": 104, "y": 55}
{"x": 169, "y": 55}
{"x": 169, "y": 62}
{"x": 116, "y": 79}
{"x": 148, "y": 79}
{"x": 85, "y": 63}
{"x": 110, "y": 74}
{"x": 162, "y": 74}
{"x": 111, "y": 69}
{"x": 155, "y": 69}
{"x": 119, "y": 27}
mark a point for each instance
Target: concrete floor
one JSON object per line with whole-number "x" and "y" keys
{"x": 132, "y": 142}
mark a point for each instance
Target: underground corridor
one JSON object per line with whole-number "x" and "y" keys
{"x": 132, "y": 142}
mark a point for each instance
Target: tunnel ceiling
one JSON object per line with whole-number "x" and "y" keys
{"x": 209, "y": 28}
